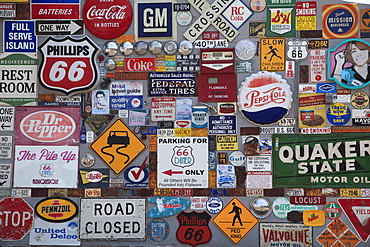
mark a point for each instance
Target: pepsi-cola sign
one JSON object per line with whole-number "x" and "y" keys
{"x": 68, "y": 65}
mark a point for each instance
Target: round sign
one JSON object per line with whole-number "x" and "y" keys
{"x": 332, "y": 210}
{"x": 360, "y": 100}
{"x": 237, "y": 158}
{"x": 87, "y": 160}
{"x": 261, "y": 207}
{"x": 155, "y": 47}
{"x": 107, "y": 19}
{"x": 184, "y": 18}
{"x": 186, "y": 47}
{"x": 258, "y": 5}
{"x": 245, "y": 49}
{"x": 158, "y": 230}
{"x": 214, "y": 205}
{"x": 56, "y": 209}
{"x": 338, "y": 114}
{"x": 281, "y": 207}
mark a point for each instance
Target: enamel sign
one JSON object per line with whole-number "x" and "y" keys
{"x": 280, "y": 18}
{"x": 19, "y": 37}
{"x": 68, "y": 65}
{"x": 55, "y": 10}
{"x": 340, "y": 21}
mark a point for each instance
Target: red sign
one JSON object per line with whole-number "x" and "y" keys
{"x": 47, "y": 10}
{"x": 358, "y": 213}
{"x": 47, "y": 126}
{"x": 217, "y": 88}
{"x": 16, "y": 217}
{"x": 68, "y": 65}
{"x": 193, "y": 228}
{"x": 139, "y": 64}
{"x": 107, "y": 19}
{"x": 308, "y": 200}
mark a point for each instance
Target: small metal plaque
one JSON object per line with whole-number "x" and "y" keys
{"x": 58, "y": 192}
{"x": 96, "y": 192}
{"x": 21, "y": 192}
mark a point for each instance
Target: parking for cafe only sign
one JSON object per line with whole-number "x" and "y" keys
{"x": 322, "y": 160}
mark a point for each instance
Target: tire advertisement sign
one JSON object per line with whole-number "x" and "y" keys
{"x": 112, "y": 219}
{"x": 18, "y": 78}
{"x": 334, "y": 161}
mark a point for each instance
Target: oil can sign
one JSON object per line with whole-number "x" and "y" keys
{"x": 112, "y": 219}
{"x": 16, "y": 216}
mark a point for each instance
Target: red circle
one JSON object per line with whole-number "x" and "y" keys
{"x": 318, "y": 77}
{"x": 107, "y": 20}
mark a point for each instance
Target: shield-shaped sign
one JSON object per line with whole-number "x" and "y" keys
{"x": 68, "y": 65}
{"x": 297, "y": 49}
{"x": 182, "y": 156}
{"x": 193, "y": 228}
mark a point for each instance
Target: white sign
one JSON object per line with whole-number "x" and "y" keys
{"x": 277, "y": 130}
{"x": 6, "y": 147}
{"x": 182, "y": 162}
{"x": 59, "y": 27}
{"x": 163, "y": 109}
{"x": 112, "y": 219}
{"x": 259, "y": 163}
{"x": 49, "y": 233}
{"x": 213, "y": 43}
{"x": 317, "y": 65}
{"x": 5, "y": 175}
{"x": 198, "y": 203}
{"x": 237, "y": 13}
{"x": 297, "y": 49}
{"x": 46, "y": 166}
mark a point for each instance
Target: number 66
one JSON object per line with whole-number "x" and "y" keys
{"x": 75, "y": 73}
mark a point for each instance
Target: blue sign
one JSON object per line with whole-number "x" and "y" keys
{"x": 326, "y": 87}
{"x": 155, "y": 19}
{"x": 158, "y": 230}
{"x": 178, "y": 84}
{"x": 222, "y": 125}
{"x": 167, "y": 206}
{"x": 338, "y": 114}
{"x": 19, "y": 37}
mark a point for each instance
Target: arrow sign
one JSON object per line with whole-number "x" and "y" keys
{"x": 170, "y": 172}
{"x": 6, "y": 118}
{"x": 358, "y": 213}
{"x": 57, "y": 27}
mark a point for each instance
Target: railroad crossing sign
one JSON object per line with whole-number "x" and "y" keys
{"x": 118, "y": 146}
{"x": 60, "y": 27}
{"x": 16, "y": 217}
{"x": 235, "y": 220}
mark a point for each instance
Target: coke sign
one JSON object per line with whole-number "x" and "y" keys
{"x": 107, "y": 19}
{"x": 140, "y": 64}
{"x": 68, "y": 65}
{"x": 16, "y": 217}
{"x": 40, "y": 125}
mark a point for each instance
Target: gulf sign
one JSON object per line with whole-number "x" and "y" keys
{"x": 55, "y": 10}
{"x": 56, "y": 209}
{"x": 47, "y": 126}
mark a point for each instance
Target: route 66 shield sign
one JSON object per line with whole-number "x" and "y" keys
{"x": 182, "y": 156}
{"x": 193, "y": 228}
{"x": 297, "y": 49}
{"x": 68, "y": 65}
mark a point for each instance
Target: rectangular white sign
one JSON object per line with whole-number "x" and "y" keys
{"x": 259, "y": 163}
{"x": 182, "y": 162}
{"x": 6, "y": 118}
{"x": 5, "y": 175}
{"x": 317, "y": 65}
{"x": 46, "y": 166}
{"x": 6, "y": 147}
{"x": 112, "y": 219}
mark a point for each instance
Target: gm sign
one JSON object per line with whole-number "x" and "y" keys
{"x": 155, "y": 20}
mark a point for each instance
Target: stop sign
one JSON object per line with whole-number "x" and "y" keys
{"x": 16, "y": 218}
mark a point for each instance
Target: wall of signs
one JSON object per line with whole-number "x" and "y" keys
{"x": 181, "y": 122}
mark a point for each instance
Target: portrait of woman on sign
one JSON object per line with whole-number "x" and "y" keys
{"x": 349, "y": 64}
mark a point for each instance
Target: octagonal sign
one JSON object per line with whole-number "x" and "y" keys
{"x": 16, "y": 217}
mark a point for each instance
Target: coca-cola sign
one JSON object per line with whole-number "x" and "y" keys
{"x": 140, "y": 64}
{"x": 107, "y": 19}
{"x": 42, "y": 125}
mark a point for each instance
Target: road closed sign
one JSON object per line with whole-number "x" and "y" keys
{"x": 112, "y": 219}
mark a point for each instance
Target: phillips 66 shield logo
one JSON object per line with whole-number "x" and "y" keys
{"x": 193, "y": 228}
{"x": 68, "y": 65}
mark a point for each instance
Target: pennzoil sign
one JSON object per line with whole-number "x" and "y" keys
{"x": 56, "y": 209}
{"x": 68, "y": 65}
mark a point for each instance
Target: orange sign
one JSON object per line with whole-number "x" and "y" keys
{"x": 313, "y": 218}
{"x": 337, "y": 227}
{"x": 118, "y": 146}
{"x": 326, "y": 238}
{"x": 272, "y": 56}
{"x": 235, "y": 220}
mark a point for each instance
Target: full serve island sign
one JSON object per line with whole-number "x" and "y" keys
{"x": 335, "y": 160}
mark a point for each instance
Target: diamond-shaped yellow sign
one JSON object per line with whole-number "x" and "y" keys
{"x": 118, "y": 146}
{"x": 235, "y": 220}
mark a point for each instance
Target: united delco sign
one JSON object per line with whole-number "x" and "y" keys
{"x": 322, "y": 160}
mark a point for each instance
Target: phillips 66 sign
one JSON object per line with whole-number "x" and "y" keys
{"x": 68, "y": 65}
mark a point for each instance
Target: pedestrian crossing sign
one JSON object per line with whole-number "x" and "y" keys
{"x": 235, "y": 220}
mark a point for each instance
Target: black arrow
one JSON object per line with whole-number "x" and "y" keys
{"x": 6, "y": 126}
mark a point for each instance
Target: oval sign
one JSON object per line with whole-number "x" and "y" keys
{"x": 56, "y": 209}
{"x": 47, "y": 126}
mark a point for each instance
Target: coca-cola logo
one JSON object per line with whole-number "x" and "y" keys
{"x": 140, "y": 64}
{"x": 47, "y": 126}
{"x": 107, "y": 19}
{"x": 94, "y": 176}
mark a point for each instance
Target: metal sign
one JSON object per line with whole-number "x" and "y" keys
{"x": 272, "y": 52}
{"x": 303, "y": 174}
{"x": 51, "y": 10}
{"x": 112, "y": 219}
{"x": 59, "y": 27}
{"x": 193, "y": 228}
{"x": 176, "y": 161}
{"x": 222, "y": 125}
{"x": 6, "y": 173}
{"x": 68, "y": 72}
{"x": 297, "y": 49}
{"x": 6, "y": 118}
{"x": 209, "y": 44}
{"x": 280, "y": 233}
{"x": 118, "y": 146}
{"x": 155, "y": 19}
{"x": 16, "y": 217}
{"x": 344, "y": 27}
{"x": 220, "y": 23}
{"x": 235, "y": 220}
{"x": 7, "y": 10}
{"x": 56, "y": 209}
{"x": 179, "y": 84}
{"x": 306, "y": 15}
{"x": 237, "y": 13}
{"x": 19, "y": 37}
{"x": 280, "y": 18}
{"x": 57, "y": 166}
{"x": 6, "y": 147}
{"x": 318, "y": 65}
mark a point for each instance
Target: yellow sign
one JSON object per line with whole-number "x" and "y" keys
{"x": 272, "y": 57}
{"x": 235, "y": 220}
{"x": 227, "y": 142}
{"x": 305, "y": 23}
{"x": 350, "y": 192}
{"x": 313, "y": 218}
{"x": 118, "y": 146}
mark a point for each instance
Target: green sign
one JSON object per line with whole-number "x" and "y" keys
{"x": 327, "y": 160}
{"x": 280, "y": 18}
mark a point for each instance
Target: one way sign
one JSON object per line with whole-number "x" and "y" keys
{"x": 65, "y": 27}
{"x": 6, "y": 118}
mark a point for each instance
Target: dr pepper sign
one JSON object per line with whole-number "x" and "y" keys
{"x": 68, "y": 65}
